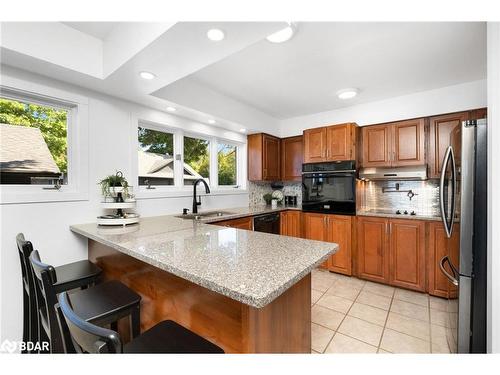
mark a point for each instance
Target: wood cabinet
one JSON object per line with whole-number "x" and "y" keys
{"x": 394, "y": 144}
{"x": 263, "y": 157}
{"x": 443, "y": 131}
{"x": 331, "y": 143}
{"x": 314, "y": 145}
{"x": 291, "y": 223}
{"x": 332, "y": 228}
{"x": 373, "y": 249}
{"x": 240, "y": 223}
{"x": 291, "y": 158}
{"x": 407, "y": 254}
{"x": 438, "y": 246}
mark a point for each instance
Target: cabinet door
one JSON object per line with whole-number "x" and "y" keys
{"x": 407, "y": 254}
{"x": 314, "y": 145}
{"x": 290, "y": 223}
{"x": 340, "y": 143}
{"x": 408, "y": 142}
{"x": 339, "y": 231}
{"x": 438, "y": 247}
{"x": 241, "y": 223}
{"x": 271, "y": 158}
{"x": 376, "y": 145}
{"x": 291, "y": 159}
{"x": 373, "y": 252}
{"x": 315, "y": 229}
{"x": 443, "y": 132}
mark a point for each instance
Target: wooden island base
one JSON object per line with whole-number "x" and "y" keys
{"x": 283, "y": 326}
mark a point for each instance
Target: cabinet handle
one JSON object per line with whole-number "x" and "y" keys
{"x": 390, "y": 228}
{"x": 327, "y": 153}
{"x": 386, "y": 228}
{"x": 265, "y": 172}
{"x": 324, "y": 221}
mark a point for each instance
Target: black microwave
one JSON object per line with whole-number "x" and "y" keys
{"x": 329, "y": 187}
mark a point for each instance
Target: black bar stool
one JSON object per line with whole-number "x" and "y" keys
{"x": 70, "y": 276}
{"x": 165, "y": 337}
{"x": 102, "y": 304}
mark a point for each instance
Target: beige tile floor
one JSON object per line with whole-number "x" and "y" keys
{"x": 350, "y": 315}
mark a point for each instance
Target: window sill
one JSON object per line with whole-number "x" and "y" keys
{"x": 164, "y": 193}
{"x": 9, "y": 196}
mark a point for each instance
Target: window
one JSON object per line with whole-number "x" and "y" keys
{"x": 34, "y": 143}
{"x": 156, "y": 164}
{"x": 196, "y": 160}
{"x": 226, "y": 164}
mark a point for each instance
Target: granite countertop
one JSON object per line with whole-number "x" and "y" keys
{"x": 392, "y": 214}
{"x": 251, "y": 267}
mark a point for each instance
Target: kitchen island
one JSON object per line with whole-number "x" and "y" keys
{"x": 245, "y": 291}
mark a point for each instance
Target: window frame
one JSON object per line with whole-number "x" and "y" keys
{"x": 77, "y": 140}
{"x": 179, "y": 189}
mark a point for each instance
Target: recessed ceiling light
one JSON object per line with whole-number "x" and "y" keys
{"x": 282, "y": 35}
{"x": 243, "y": 130}
{"x": 147, "y": 75}
{"x": 347, "y": 93}
{"x": 171, "y": 109}
{"x": 215, "y": 35}
{"x": 211, "y": 121}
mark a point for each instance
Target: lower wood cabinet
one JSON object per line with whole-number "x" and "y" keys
{"x": 407, "y": 254}
{"x": 332, "y": 228}
{"x": 373, "y": 249}
{"x": 438, "y": 247}
{"x": 240, "y": 223}
{"x": 291, "y": 223}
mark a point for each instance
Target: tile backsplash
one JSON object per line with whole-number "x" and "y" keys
{"x": 257, "y": 189}
{"x": 425, "y": 202}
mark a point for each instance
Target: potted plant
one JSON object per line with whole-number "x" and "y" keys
{"x": 114, "y": 184}
{"x": 268, "y": 197}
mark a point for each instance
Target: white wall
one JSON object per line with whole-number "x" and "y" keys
{"x": 456, "y": 98}
{"x": 47, "y": 224}
{"x": 493, "y": 187}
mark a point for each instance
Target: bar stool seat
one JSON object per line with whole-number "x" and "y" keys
{"x": 75, "y": 275}
{"x": 106, "y": 303}
{"x": 170, "y": 337}
{"x": 165, "y": 337}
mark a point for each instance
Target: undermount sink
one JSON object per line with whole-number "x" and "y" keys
{"x": 204, "y": 215}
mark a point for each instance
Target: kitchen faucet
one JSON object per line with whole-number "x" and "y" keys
{"x": 196, "y": 203}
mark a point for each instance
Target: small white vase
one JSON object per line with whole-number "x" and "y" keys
{"x": 274, "y": 203}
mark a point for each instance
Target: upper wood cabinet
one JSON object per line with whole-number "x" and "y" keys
{"x": 394, "y": 144}
{"x": 373, "y": 249}
{"x": 240, "y": 223}
{"x": 291, "y": 223}
{"x": 407, "y": 254}
{"x": 443, "y": 131}
{"x": 314, "y": 145}
{"x": 438, "y": 246}
{"x": 264, "y": 157}
{"x": 291, "y": 158}
{"x": 331, "y": 143}
{"x": 332, "y": 228}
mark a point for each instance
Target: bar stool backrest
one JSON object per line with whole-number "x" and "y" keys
{"x": 45, "y": 278}
{"x": 87, "y": 337}
{"x": 25, "y": 248}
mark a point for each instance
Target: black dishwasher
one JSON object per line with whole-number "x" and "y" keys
{"x": 268, "y": 223}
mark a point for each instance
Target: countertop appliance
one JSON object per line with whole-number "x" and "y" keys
{"x": 267, "y": 223}
{"x": 465, "y": 173}
{"x": 329, "y": 187}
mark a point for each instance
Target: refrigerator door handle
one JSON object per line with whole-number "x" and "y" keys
{"x": 449, "y": 155}
{"x": 453, "y": 279}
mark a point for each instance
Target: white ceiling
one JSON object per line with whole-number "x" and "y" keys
{"x": 100, "y": 30}
{"x": 245, "y": 81}
{"x": 382, "y": 60}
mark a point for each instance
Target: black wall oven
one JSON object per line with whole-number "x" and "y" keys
{"x": 329, "y": 187}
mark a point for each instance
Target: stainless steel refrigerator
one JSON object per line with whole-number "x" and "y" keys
{"x": 463, "y": 202}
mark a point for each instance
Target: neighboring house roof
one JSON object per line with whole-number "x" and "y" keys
{"x": 23, "y": 150}
{"x": 161, "y": 166}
